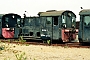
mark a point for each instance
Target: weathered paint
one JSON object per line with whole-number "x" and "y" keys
{"x": 84, "y": 12}
{"x": 9, "y": 22}
{"x": 54, "y": 13}
{"x": 67, "y": 36}
{"x": 8, "y": 33}
{"x": 84, "y": 27}
{"x": 52, "y": 25}
{"x": 31, "y": 28}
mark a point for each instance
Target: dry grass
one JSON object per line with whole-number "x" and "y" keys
{"x": 39, "y": 52}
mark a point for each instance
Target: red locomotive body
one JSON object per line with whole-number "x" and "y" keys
{"x": 8, "y": 33}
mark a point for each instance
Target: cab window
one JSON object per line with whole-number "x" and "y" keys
{"x": 18, "y": 21}
{"x": 73, "y": 19}
{"x": 6, "y": 21}
{"x": 55, "y": 20}
{"x": 87, "y": 20}
{"x": 49, "y": 20}
{"x": 63, "y": 19}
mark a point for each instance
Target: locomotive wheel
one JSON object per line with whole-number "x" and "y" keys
{"x": 80, "y": 40}
{"x": 61, "y": 41}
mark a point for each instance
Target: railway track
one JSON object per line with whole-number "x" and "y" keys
{"x": 66, "y": 45}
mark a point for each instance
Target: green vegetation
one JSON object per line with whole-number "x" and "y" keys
{"x": 34, "y": 59}
{"x": 66, "y": 46}
{"x": 27, "y": 44}
{"x": 2, "y": 47}
{"x": 10, "y": 40}
{"x": 18, "y": 54}
{"x": 6, "y": 58}
{"x": 48, "y": 42}
{"x": 21, "y": 56}
{"x": 22, "y": 40}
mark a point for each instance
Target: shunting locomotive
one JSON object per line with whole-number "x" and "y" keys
{"x": 9, "y": 24}
{"x": 31, "y": 28}
{"x": 84, "y": 26}
{"x": 58, "y": 25}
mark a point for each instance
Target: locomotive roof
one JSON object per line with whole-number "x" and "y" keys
{"x": 1, "y": 15}
{"x": 84, "y": 12}
{"x": 53, "y": 13}
{"x": 12, "y": 14}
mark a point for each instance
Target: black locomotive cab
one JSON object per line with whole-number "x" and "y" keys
{"x": 68, "y": 20}
{"x": 10, "y": 20}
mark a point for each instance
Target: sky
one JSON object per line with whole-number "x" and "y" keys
{"x": 34, "y": 6}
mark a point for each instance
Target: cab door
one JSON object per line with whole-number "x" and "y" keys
{"x": 55, "y": 27}
{"x": 86, "y": 28}
{"x": 0, "y": 27}
{"x": 52, "y": 27}
{"x": 49, "y": 27}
